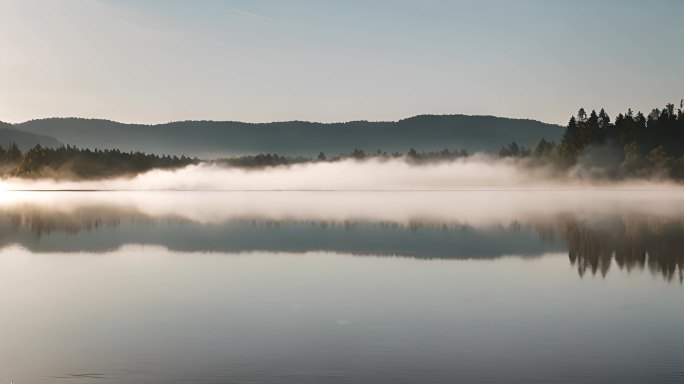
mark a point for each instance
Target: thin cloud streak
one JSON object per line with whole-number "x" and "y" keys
{"x": 252, "y": 14}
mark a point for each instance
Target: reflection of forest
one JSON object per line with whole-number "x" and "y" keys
{"x": 632, "y": 242}
{"x": 594, "y": 244}
{"x": 43, "y": 222}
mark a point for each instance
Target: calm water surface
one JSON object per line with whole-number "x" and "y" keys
{"x": 484, "y": 287}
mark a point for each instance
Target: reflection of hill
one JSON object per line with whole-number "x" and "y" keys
{"x": 101, "y": 229}
{"x": 593, "y": 245}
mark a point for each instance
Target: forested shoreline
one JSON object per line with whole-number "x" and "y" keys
{"x": 631, "y": 146}
{"x": 68, "y": 162}
{"x": 634, "y": 145}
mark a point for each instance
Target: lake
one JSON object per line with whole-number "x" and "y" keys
{"x": 477, "y": 286}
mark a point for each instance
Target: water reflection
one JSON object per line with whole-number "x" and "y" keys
{"x": 104, "y": 229}
{"x": 631, "y": 242}
{"x": 209, "y": 288}
{"x": 594, "y": 242}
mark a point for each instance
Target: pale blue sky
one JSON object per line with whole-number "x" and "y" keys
{"x": 264, "y": 60}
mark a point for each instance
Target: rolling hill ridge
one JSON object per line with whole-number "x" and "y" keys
{"x": 24, "y": 140}
{"x": 228, "y": 138}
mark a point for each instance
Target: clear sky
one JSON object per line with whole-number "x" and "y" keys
{"x": 265, "y": 60}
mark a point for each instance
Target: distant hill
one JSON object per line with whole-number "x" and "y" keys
{"x": 25, "y": 140}
{"x": 227, "y": 138}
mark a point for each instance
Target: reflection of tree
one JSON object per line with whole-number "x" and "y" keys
{"x": 631, "y": 242}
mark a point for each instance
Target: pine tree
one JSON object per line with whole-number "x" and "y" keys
{"x": 569, "y": 146}
{"x": 594, "y": 135}
{"x": 13, "y": 154}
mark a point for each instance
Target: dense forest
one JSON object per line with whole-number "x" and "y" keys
{"x": 634, "y": 145}
{"x": 68, "y": 162}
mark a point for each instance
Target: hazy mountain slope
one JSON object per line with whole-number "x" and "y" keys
{"x": 25, "y": 140}
{"x": 214, "y": 138}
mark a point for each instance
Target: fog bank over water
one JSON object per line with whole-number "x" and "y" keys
{"x": 479, "y": 208}
{"x": 475, "y": 172}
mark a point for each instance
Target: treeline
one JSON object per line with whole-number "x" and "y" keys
{"x": 73, "y": 163}
{"x": 270, "y": 160}
{"x": 634, "y": 145}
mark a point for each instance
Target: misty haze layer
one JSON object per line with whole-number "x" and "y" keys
{"x": 476, "y": 172}
{"x": 475, "y": 208}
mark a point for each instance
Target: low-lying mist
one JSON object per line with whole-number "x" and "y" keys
{"x": 478, "y": 208}
{"x": 490, "y": 191}
{"x": 474, "y": 172}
